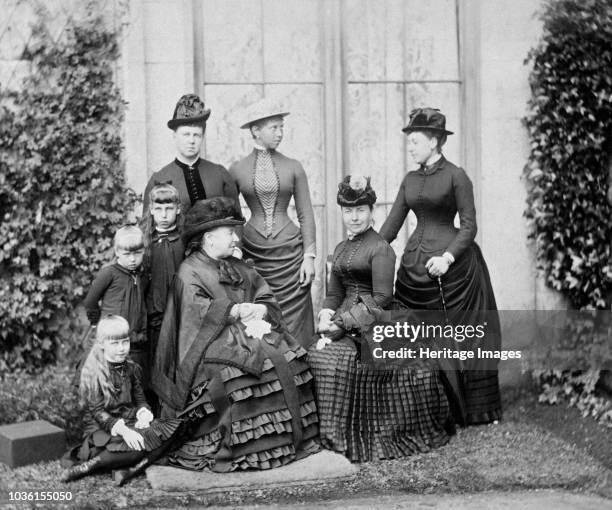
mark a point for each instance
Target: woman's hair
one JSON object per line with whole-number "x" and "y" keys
{"x": 440, "y": 137}
{"x": 95, "y": 376}
{"x": 128, "y": 238}
{"x": 161, "y": 193}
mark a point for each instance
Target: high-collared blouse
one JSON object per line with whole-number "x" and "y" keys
{"x": 292, "y": 181}
{"x": 435, "y": 194}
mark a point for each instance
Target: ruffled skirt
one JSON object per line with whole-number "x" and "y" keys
{"x": 242, "y": 421}
{"x": 368, "y": 413}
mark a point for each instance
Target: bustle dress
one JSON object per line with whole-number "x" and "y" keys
{"x": 248, "y": 402}
{"x": 271, "y": 240}
{"x": 369, "y": 412}
{"x": 436, "y": 194}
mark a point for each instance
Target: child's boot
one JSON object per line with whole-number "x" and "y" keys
{"x": 81, "y": 470}
{"x": 125, "y": 475}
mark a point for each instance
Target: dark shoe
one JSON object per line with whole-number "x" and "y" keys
{"x": 125, "y": 475}
{"x": 81, "y": 470}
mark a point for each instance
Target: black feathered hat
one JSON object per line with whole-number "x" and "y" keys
{"x": 190, "y": 110}
{"x": 429, "y": 119}
{"x": 355, "y": 190}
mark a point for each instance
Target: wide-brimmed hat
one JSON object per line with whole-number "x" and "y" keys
{"x": 211, "y": 213}
{"x": 355, "y": 190}
{"x": 189, "y": 110}
{"x": 429, "y": 119}
{"x": 263, "y": 109}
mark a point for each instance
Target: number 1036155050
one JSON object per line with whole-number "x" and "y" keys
{"x": 40, "y": 495}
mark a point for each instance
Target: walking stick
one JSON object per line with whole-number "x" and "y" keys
{"x": 441, "y": 289}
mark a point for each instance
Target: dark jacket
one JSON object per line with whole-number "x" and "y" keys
{"x": 215, "y": 178}
{"x": 118, "y": 291}
{"x": 167, "y": 253}
{"x": 435, "y": 196}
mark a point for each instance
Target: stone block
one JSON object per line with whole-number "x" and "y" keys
{"x": 29, "y": 442}
{"x": 324, "y": 465}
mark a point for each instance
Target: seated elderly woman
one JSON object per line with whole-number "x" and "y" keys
{"x": 368, "y": 412}
{"x": 224, "y": 362}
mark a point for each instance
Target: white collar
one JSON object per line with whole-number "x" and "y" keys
{"x": 184, "y": 161}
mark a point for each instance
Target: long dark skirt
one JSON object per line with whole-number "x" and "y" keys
{"x": 469, "y": 301}
{"x": 278, "y": 259}
{"x": 369, "y": 413}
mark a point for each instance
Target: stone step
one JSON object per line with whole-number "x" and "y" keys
{"x": 324, "y": 465}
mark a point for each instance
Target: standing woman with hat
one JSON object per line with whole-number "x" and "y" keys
{"x": 442, "y": 267}
{"x": 224, "y": 362}
{"x": 194, "y": 177}
{"x": 281, "y": 252}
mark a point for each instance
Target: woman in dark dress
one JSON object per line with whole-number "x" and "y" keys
{"x": 224, "y": 362}
{"x": 368, "y": 412}
{"x": 440, "y": 256}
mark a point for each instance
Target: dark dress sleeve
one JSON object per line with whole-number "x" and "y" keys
{"x": 145, "y": 198}
{"x": 264, "y": 296}
{"x": 97, "y": 409}
{"x": 383, "y": 273}
{"x": 397, "y": 215}
{"x": 464, "y": 197}
{"x": 303, "y": 207}
{"x": 97, "y": 290}
{"x": 335, "y": 288}
{"x": 138, "y": 394}
{"x": 230, "y": 188}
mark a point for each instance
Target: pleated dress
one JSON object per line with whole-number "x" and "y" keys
{"x": 370, "y": 412}
{"x": 436, "y": 194}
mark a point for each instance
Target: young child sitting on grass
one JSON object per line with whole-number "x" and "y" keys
{"x": 119, "y": 427}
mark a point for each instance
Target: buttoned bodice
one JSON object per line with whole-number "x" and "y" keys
{"x": 435, "y": 195}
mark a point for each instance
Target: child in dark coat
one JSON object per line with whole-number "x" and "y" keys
{"x": 118, "y": 290}
{"x": 164, "y": 252}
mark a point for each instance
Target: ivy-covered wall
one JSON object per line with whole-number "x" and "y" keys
{"x": 570, "y": 126}
{"x": 62, "y": 183}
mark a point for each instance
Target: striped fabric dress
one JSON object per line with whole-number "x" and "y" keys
{"x": 365, "y": 412}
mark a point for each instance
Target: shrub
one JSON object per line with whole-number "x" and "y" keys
{"x": 62, "y": 187}
{"x": 569, "y": 124}
{"x": 48, "y": 395}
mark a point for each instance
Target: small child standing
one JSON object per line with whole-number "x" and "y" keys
{"x": 118, "y": 424}
{"x": 164, "y": 253}
{"x": 118, "y": 290}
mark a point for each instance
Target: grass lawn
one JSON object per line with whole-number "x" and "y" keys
{"x": 535, "y": 447}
